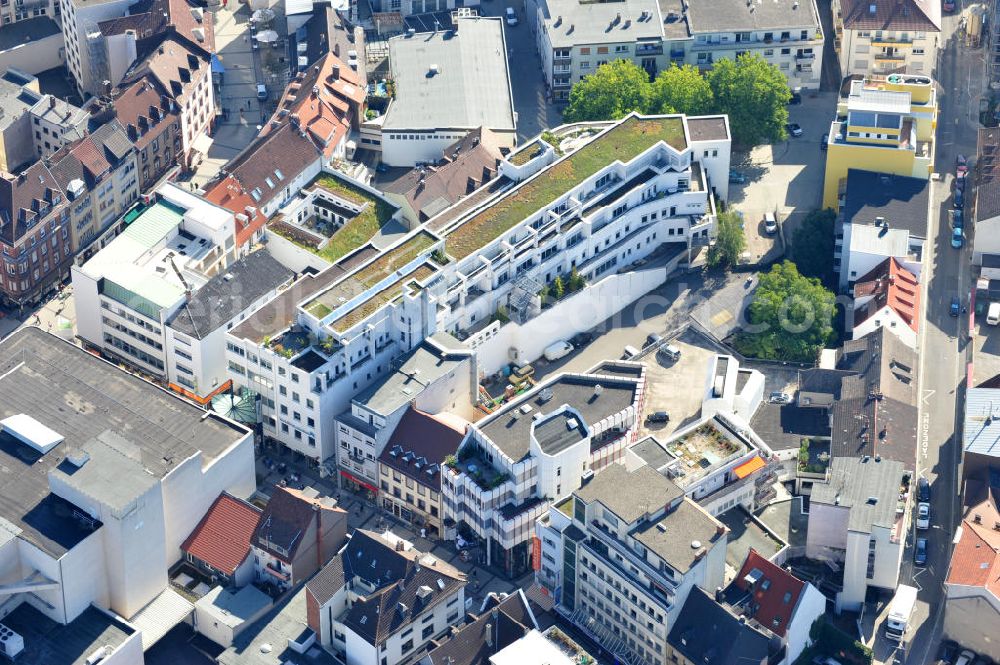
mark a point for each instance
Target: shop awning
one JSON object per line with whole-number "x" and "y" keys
{"x": 748, "y": 467}
{"x": 367, "y": 486}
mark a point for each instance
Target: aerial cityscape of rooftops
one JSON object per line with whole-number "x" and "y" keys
{"x": 500, "y": 332}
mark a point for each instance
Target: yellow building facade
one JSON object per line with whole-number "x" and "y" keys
{"x": 886, "y": 127}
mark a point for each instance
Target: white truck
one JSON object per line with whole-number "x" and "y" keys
{"x": 900, "y": 611}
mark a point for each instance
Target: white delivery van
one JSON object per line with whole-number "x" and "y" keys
{"x": 557, "y": 350}
{"x": 900, "y": 611}
{"x": 993, "y": 314}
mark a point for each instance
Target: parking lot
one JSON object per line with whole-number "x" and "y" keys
{"x": 785, "y": 178}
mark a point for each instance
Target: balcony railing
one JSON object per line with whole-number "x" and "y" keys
{"x": 649, "y": 49}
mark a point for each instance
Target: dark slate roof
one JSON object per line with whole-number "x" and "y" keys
{"x": 709, "y": 127}
{"x": 329, "y": 581}
{"x": 468, "y": 164}
{"x": 705, "y": 632}
{"x": 509, "y": 620}
{"x": 285, "y": 519}
{"x": 783, "y": 426}
{"x": 901, "y": 200}
{"x": 28, "y": 30}
{"x": 559, "y": 432}
{"x": 284, "y": 150}
{"x": 83, "y": 397}
{"x": 419, "y": 445}
{"x": 892, "y": 15}
{"x": 876, "y": 413}
{"x": 28, "y": 199}
{"x": 988, "y": 174}
{"x": 397, "y": 575}
{"x": 229, "y": 293}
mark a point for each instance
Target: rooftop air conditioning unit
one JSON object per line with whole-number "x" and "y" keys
{"x": 11, "y": 644}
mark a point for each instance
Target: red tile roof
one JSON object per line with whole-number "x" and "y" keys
{"x": 324, "y": 101}
{"x": 222, "y": 538}
{"x": 229, "y": 194}
{"x": 890, "y": 285}
{"x": 975, "y": 560}
{"x": 778, "y": 600}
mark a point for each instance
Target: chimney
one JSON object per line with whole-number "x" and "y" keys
{"x": 336, "y": 72}
{"x": 52, "y": 101}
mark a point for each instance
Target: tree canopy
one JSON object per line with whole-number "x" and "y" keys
{"x": 790, "y": 318}
{"x": 613, "y": 91}
{"x": 812, "y": 245}
{"x": 681, "y": 90}
{"x": 754, "y": 94}
{"x": 730, "y": 241}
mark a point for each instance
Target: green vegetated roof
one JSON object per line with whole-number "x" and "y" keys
{"x": 357, "y": 231}
{"x": 525, "y": 154}
{"x": 623, "y": 142}
{"x": 370, "y": 275}
{"x": 387, "y": 294}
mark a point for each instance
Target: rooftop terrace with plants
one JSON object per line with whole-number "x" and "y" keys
{"x": 370, "y": 275}
{"x": 623, "y": 142}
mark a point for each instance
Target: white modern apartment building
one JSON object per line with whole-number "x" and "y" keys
{"x": 857, "y": 520}
{"x": 337, "y": 332}
{"x": 879, "y": 38}
{"x": 574, "y": 38}
{"x": 86, "y": 57}
{"x": 538, "y": 448}
{"x": 132, "y": 288}
{"x": 621, "y": 555}
{"x": 108, "y": 475}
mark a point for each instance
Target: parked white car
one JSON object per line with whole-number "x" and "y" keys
{"x": 511, "y": 16}
{"x": 923, "y": 516}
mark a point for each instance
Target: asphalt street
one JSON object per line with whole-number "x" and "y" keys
{"x": 943, "y": 347}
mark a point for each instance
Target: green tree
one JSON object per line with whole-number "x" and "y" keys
{"x": 613, "y": 91}
{"x": 755, "y": 94}
{"x": 576, "y": 280}
{"x": 812, "y": 245}
{"x": 729, "y": 241}
{"x": 558, "y": 290}
{"x": 790, "y": 318}
{"x": 681, "y": 90}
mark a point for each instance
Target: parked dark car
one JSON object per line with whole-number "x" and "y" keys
{"x": 957, "y": 220}
{"x": 953, "y": 310}
{"x": 658, "y": 417}
{"x": 920, "y": 552}
{"x": 824, "y": 142}
{"x": 581, "y": 339}
{"x": 948, "y": 651}
{"x": 960, "y": 181}
{"x": 736, "y": 177}
{"x": 923, "y": 485}
{"x": 795, "y": 99}
{"x": 959, "y": 199}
